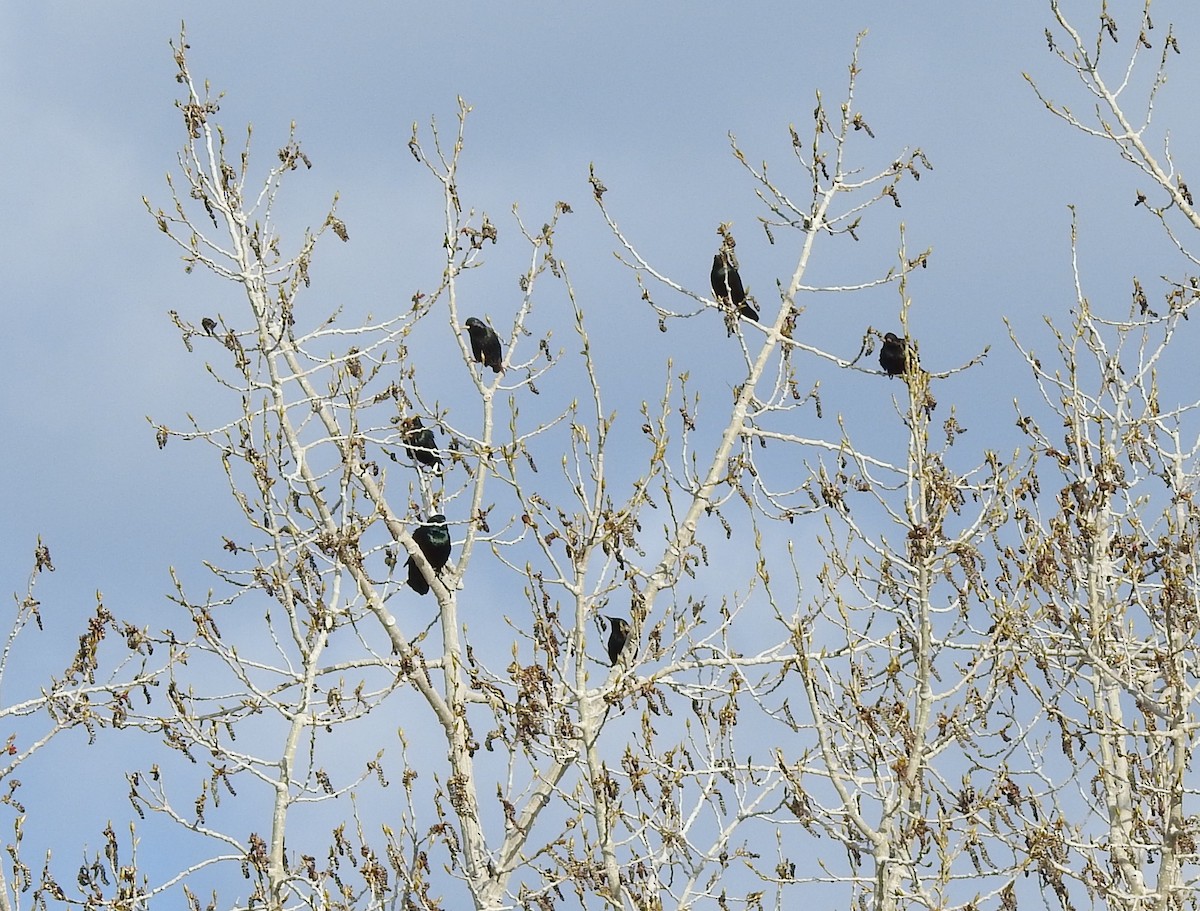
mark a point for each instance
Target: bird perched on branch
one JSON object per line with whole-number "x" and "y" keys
{"x": 893, "y": 356}
{"x": 617, "y": 637}
{"x": 420, "y": 444}
{"x": 899, "y": 358}
{"x": 485, "y": 345}
{"x": 727, "y": 285}
{"x": 434, "y": 540}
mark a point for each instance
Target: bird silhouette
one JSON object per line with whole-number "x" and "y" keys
{"x": 485, "y": 345}
{"x": 893, "y": 356}
{"x": 420, "y": 444}
{"x": 617, "y": 637}
{"x": 434, "y": 540}
{"x": 727, "y": 285}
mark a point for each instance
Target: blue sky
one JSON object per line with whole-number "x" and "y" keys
{"x": 646, "y": 92}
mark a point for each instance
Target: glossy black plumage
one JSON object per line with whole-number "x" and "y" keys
{"x": 434, "y": 541}
{"x": 485, "y": 345}
{"x": 617, "y": 637}
{"x": 420, "y": 444}
{"x": 893, "y": 356}
{"x": 727, "y": 285}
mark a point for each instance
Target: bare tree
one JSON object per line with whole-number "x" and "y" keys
{"x": 578, "y": 699}
{"x": 896, "y": 670}
{"x": 324, "y": 459}
{"x": 1108, "y": 568}
{"x": 110, "y": 673}
{"x": 1107, "y": 564}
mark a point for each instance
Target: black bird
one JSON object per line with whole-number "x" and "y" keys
{"x": 485, "y": 345}
{"x": 434, "y": 541}
{"x": 727, "y": 285}
{"x": 208, "y": 324}
{"x": 893, "y": 356}
{"x": 617, "y": 636}
{"x": 420, "y": 444}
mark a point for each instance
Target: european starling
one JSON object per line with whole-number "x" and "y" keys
{"x": 893, "y": 356}
{"x": 434, "y": 541}
{"x": 208, "y": 324}
{"x": 727, "y": 285}
{"x": 420, "y": 444}
{"x": 485, "y": 345}
{"x": 618, "y": 633}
